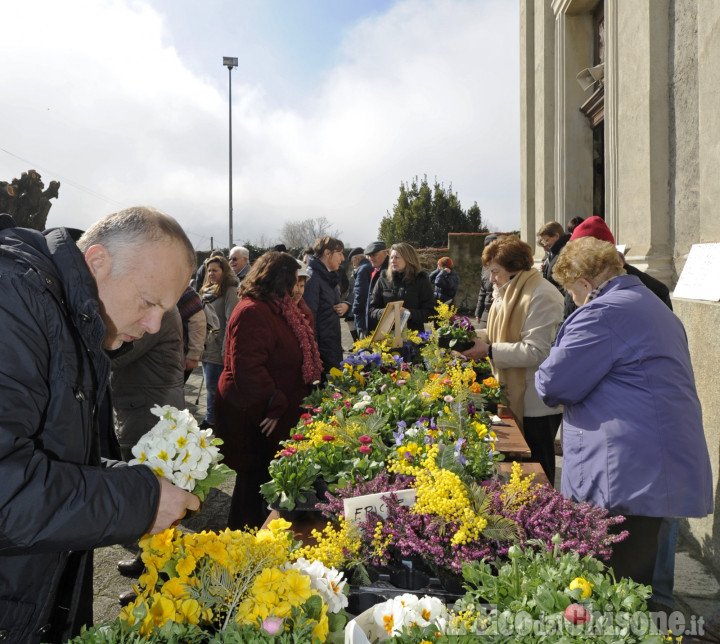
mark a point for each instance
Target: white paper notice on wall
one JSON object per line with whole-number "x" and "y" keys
{"x": 357, "y": 507}
{"x": 700, "y": 277}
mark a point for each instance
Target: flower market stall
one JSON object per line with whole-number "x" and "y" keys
{"x": 396, "y": 510}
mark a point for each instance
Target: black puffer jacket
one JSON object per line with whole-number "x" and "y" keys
{"x": 417, "y": 298}
{"x": 57, "y": 501}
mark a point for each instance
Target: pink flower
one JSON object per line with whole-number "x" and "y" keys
{"x": 369, "y": 410}
{"x": 401, "y": 382}
{"x": 383, "y": 387}
{"x": 347, "y": 404}
{"x": 365, "y": 449}
{"x": 365, "y": 439}
{"x": 286, "y": 453}
{"x": 298, "y": 437}
{"x": 317, "y": 410}
{"x": 337, "y": 395}
{"x": 291, "y": 449}
{"x": 305, "y": 416}
{"x": 448, "y": 398}
{"x": 272, "y": 625}
{"x": 328, "y": 438}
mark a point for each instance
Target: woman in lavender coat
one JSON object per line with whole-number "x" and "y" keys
{"x": 633, "y": 439}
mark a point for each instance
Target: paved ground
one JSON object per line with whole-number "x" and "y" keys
{"x": 697, "y": 591}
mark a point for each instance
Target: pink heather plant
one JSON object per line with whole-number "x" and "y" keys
{"x": 583, "y": 528}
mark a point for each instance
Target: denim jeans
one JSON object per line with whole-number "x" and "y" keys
{"x": 664, "y": 573}
{"x": 211, "y": 373}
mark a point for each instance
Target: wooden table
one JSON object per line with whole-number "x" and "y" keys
{"x": 510, "y": 440}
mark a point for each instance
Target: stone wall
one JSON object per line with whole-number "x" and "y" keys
{"x": 465, "y": 250}
{"x": 701, "y": 319}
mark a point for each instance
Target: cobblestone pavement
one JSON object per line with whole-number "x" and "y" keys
{"x": 697, "y": 591}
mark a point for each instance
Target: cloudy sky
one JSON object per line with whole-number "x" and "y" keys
{"x": 334, "y": 104}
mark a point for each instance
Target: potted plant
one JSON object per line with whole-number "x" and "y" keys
{"x": 458, "y": 334}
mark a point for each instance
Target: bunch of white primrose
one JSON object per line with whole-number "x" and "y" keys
{"x": 179, "y": 450}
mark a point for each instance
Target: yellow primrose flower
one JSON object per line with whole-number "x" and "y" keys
{"x": 322, "y": 628}
{"x": 188, "y": 611}
{"x": 162, "y": 610}
{"x": 268, "y": 580}
{"x": 174, "y": 587}
{"x": 185, "y": 566}
{"x": 149, "y": 578}
{"x": 297, "y": 586}
{"x": 584, "y": 585}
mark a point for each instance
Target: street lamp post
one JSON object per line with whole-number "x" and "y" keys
{"x": 230, "y": 63}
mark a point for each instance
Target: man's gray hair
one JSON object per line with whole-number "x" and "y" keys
{"x": 133, "y": 227}
{"x": 244, "y": 252}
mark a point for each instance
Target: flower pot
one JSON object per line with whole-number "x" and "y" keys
{"x": 360, "y": 602}
{"x": 409, "y": 579}
{"x": 491, "y": 407}
{"x": 460, "y": 345}
{"x": 450, "y": 581}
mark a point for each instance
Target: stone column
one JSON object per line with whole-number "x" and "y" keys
{"x": 537, "y": 51}
{"x": 641, "y": 72}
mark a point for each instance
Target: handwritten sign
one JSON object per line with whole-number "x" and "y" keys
{"x": 700, "y": 277}
{"x": 357, "y": 507}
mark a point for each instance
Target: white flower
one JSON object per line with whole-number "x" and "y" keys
{"x": 390, "y": 616}
{"x": 177, "y": 448}
{"x": 403, "y": 611}
{"x": 329, "y": 582}
{"x": 430, "y": 609}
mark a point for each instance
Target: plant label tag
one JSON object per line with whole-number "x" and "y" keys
{"x": 356, "y": 508}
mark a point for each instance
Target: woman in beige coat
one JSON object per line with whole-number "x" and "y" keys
{"x": 522, "y": 323}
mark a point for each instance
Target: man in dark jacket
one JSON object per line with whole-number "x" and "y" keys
{"x": 361, "y": 284}
{"x": 365, "y": 281}
{"x": 596, "y": 227}
{"x": 63, "y": 304}
{"x": 552, "y": 238}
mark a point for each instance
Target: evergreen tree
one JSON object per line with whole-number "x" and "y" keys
{"x": 423, "y": 216}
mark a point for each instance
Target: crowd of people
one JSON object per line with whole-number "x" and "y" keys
{"x": 101, "y": 325}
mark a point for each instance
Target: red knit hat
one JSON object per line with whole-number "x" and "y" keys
{"x": 445, "y": 262}
{"x": 593, "y": 227}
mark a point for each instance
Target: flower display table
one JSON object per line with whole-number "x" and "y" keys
{"x": 510, "y": 440}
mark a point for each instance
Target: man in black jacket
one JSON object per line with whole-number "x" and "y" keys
{"x": 62, "y": 305}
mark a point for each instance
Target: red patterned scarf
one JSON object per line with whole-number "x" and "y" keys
{"x": 305, "y": 334}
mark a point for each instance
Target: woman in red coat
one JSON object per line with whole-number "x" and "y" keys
{"x": 270, "y": 358}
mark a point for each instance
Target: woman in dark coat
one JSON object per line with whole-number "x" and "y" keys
{"x": 404, "y": 280}
{"x": 270, "y": 358}
{"x": 323, "y": 297}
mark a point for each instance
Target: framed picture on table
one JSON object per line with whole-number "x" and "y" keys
{"x": 393, "y": 320}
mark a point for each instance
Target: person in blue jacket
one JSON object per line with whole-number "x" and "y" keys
{"x": 633, "y": 439}
{"x": 445, "y": 280}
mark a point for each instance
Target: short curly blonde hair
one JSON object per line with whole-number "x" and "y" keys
{"x": 587, "y": 258}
